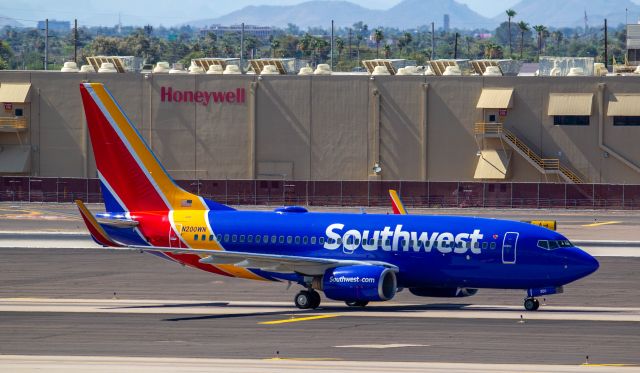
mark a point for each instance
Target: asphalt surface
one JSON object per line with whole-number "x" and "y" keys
{"x": 95, "y": 274}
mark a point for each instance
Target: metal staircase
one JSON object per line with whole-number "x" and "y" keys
{"x": 544, "y": 165}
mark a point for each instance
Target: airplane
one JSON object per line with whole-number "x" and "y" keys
{"x": 354, "y": 258}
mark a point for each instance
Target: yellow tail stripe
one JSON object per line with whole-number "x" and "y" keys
{"x": 395, "y": 199}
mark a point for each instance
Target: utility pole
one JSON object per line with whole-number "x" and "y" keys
{"x": 332, "y": 34}
{"x": 46, "y": 44}
{"x": 433, "y": 41}
{"x": 455, "y": 48}
{"x": 75, "y": 40}
{"x": 606, "y": 46}
{"x": 242, "y": 50}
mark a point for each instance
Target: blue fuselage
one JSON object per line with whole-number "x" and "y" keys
{"x": 429, "y": 251}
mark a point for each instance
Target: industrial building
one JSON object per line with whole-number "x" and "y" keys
{"x": 577, "y": 129}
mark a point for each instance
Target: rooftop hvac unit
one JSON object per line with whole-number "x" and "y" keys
{"x": 561, "y": 66}
{"x": 284, "y": 66}
{"x": 392, "y": 65}
{"x": 120, "y": 63}
{"x": 206, "y": 63}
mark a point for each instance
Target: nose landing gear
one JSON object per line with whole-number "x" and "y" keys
{"x": 307, "y": 299}
{"x": 531, "y": 304}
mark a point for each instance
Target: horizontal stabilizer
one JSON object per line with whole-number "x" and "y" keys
{"x": 97, "y": 232}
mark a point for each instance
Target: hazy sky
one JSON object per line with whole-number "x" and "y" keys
{"x": 171, "y": 12}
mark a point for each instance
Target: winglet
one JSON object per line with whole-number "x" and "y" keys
{"x": 97, "y": 233}
{"x": 396, "y": 203}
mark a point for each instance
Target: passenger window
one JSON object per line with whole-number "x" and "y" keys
{"x": 371, "y": 242}
{"x": 204, "y": 237}
{"x": 387, "y": 242}
{"x": 492, "y": 245}
{"x": 313, "y": 240}
{"x": 211, "y": 237}
{"x": 339, "y": 241}
{"x": 281, "y": 239}
{"x": 357, "y": 242}
{"x": 297, "y": 240}
{"x": 195, "y": 237}
{"x": 226, "y": 238}
{"x": 273, "y": 239}
{"x": 242, "y": 238}
{"x": 484, "y": 245}
{"x": 265, "y": 239}
{"x": 476, "y": 245}
{"x": 234, "y": 238}
{"x": 305, "y": 240}
{"x": 258, "y": 238}
{"x": 219, "y": 238}
{"x": 250, "y": 238}
{"x": 289, "y": 239}
{"x": 321, "y": 240}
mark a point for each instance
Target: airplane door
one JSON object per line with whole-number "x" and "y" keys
{"x": 509, "y": 246}
{"x": 174, "y": 240}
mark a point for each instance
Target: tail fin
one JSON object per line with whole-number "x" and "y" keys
{"x": 132, "y": 178}
{"x": 396, "y": 203}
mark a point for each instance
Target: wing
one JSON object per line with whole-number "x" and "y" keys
{"x": 305, "y": 265}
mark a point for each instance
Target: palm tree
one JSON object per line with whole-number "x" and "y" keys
{"x": 524, "y": 27}
{"x": 387, "y": 50}
{"x": 275, "y": 44}
{"x": 407, "y": 38}
{"x": 378, "y": 36}
{"x": 339, "y": 46}
{"x": 510, "y": 14}
{"x": 540, "y": 29}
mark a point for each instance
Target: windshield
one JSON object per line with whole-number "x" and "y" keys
{"x": 554, "y": 244}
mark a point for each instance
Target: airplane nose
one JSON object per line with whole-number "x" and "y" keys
{"x": 583, "y": 264}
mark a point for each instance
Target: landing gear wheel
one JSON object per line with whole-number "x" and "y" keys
{"x": 315, "y": 299}
{"x": 531, "y": 304}
{"x": 304, "y": 300}
{"x": 356, "y": 303}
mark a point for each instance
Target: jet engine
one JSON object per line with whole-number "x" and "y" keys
{"x": 359, "y": 283}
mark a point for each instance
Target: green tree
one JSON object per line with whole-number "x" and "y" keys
{"x": 378, "y": 37}
{"x": 339, "y": 46}
{"x": 387, "y": 50}
{"x": 510, "y": 14}
{"x": 540, "y": 29}
{"x": 274, "y": 45}
{"x": 524, "y": 28}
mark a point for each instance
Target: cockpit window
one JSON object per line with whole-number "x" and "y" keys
{"x": 553, "y": 244}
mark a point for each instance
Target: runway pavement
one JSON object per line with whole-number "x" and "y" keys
{"x": 105, "y": 308}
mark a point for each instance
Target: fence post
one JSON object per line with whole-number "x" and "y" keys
{"x": 565, "y": 196}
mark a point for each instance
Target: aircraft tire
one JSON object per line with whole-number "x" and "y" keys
{"x": 356, "y": 303}
{"x": 304, "y": 300}
{"x": 531, "y": 304}
{"x": 315, "y": 299}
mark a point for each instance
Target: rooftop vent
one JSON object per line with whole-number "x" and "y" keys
{"x": 69, "y": 67}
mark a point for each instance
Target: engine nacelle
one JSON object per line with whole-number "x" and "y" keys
{"x": 443, "y": 292}
{"x": 360, "y": 283}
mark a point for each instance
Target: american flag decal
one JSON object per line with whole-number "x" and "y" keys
{"x": 185, "y": 203}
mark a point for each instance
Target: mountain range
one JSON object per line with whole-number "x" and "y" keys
{"x": 319, "y": 13}
{"x": 413, "y": 13}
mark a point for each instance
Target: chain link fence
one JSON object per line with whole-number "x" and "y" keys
{"x": 351, "y": 193}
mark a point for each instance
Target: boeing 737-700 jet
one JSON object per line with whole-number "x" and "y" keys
{"x": 355, "y": 258}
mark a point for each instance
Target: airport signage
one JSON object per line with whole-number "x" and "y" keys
{"x": 204, "y": 98}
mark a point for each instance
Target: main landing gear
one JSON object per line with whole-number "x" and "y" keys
{"x": 307, "y": 299}
{"x": 531, "y": 304}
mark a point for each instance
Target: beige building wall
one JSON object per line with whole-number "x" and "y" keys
{"x": 331, "y": 127}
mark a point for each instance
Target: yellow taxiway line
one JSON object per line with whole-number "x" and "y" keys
{"x": 296, "y": 319}
{"x": 603, "y": 223}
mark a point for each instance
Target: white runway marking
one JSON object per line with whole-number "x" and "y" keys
{"x": 381, "y": 346}
{"x": 382, "y": 309}
{"x": 108, "y": 364}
